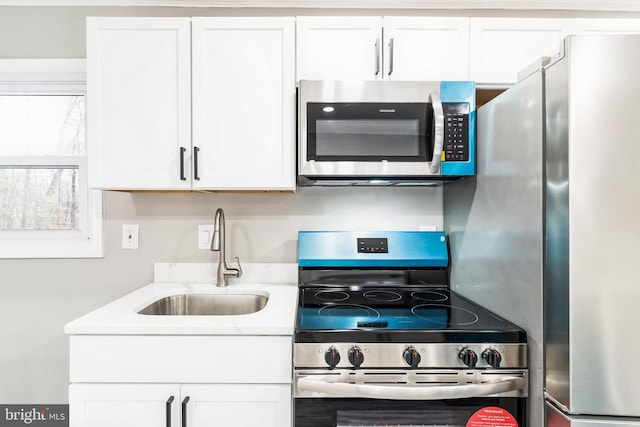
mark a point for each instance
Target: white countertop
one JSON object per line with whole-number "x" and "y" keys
{"x": 121, "y": 316}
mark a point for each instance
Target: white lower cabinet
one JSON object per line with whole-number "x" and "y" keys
{"x": 247, "y": 405}
{"x": 139, "y": 405}
{"x": 180, "y": 380}
{"x": 180, "y": 405}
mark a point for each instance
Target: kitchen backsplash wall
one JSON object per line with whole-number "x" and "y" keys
{"x": 40, "y": 296}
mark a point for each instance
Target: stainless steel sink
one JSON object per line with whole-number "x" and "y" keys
{"x": 206, "y": 305}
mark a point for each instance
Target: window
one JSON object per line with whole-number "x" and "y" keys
{"x": 46, "y": 207}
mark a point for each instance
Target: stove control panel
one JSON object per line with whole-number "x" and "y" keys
{"x": 411, "y": 355}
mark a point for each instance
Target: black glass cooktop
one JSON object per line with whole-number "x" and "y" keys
{"x": 392, "y": 314}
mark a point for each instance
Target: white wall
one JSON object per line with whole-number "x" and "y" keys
{"x": 40, "y": 296}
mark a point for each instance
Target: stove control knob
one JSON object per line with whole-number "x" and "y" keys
{"x": 355, "y": 356}
{"x": 332, "y": 357}
{"x": 411, "y": 356}
{"x": 492, "y": 357}
{"x": 468, "y": 357}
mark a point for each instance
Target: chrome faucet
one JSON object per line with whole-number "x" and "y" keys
{"x": 217, "y": 245}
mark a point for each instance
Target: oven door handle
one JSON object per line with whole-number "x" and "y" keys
{"x": 328, "y": 385}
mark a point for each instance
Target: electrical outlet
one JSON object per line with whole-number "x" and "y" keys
{"x": 130, "y": 236}
{"x": 205, "y": 233}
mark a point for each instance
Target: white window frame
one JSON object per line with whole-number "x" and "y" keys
{"x": 53, "y": 77}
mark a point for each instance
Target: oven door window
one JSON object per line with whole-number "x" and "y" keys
{"x": 368, "y": 132}
{"x": 324, "y": 412}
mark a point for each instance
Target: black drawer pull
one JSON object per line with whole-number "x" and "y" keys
{"x": 168, "y": 411}
{"x": 184, "y": 411}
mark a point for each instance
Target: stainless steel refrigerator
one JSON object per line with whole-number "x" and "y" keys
{"x": 548, "y": 233}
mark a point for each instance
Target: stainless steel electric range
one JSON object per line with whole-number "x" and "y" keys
{"x": 381, "y": 339}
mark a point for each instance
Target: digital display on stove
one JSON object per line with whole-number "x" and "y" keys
{"x": 373, "y": 245}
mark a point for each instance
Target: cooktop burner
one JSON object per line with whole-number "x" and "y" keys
{"x": 396, "y": 314}
{"x": 387, "y": 287}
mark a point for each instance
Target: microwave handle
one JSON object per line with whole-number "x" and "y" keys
{"x": 438, "y": 130}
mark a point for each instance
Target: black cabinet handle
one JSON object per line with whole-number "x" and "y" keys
{"x": 184, "y": 411}
{"x": 168, "y": 411}
{"x": 196, "y": 150}
{"x": 182, "y": 151}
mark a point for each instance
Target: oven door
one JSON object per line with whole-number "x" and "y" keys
{"x": 381, "y": 397}
{"x": 471, "y": 412}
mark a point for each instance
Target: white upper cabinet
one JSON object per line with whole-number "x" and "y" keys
{"x": 426, "y": 48}
{"x": 382, "y": 48}
{"x": 339, "y": 48}
{"x": 606, "y": 26}
{"x": 139, "y": 102}
{"x": 244, "y": 103}
{"x": 209, "y": 103}
{"x": 176, "y": 103}
{"x": 502, "y": 47}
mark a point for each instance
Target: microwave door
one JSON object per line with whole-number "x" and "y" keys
{"x": 368, "y": 133}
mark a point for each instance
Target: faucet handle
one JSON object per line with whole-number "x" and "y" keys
{"x": 237, "y": 270}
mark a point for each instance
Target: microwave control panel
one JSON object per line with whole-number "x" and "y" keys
{"x": 456, "y": 132}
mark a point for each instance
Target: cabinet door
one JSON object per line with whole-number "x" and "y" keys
{"x": 139, "y": 102}
{"x": 124, "y": 405}
{"x": 606, "y": 26}
{"x": 426, "y": 48}
{"x": 502, "y": 47}
{"x": 232, "y": 405}
{"x": 339, "y": 48}
{"x": 244, "y": 103}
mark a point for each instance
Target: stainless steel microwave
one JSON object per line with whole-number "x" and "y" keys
{"x": 385, "y": 132}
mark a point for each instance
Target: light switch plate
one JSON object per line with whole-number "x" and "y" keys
{"x": 205, "y": 232}
{"x": 130, "y": 236}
